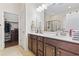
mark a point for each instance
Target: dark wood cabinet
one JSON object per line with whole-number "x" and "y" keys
{"x": 61, "y": 52}
{"x": 34, "y": 44}
{"x": 40, "y": 46}
{"x": 49, "y": 50}
{"x": 14, "y": 35}
{"x": 29, "y": 42}
{"x": 44, "y": 46}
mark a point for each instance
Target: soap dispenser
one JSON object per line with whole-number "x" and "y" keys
{"x": 70, "y": 32}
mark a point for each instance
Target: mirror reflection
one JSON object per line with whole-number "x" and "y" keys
{"x": 61, "y": 16}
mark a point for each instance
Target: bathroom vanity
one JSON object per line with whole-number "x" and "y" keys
{"x": 46, "y": 45}
{"x": 63, "y": 39}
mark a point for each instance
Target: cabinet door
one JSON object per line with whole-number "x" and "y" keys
{"x": 40, "y": 45}
{"x": 40, "y": 48}
{"x": 34, "y": 46}
{"x": 61, "y": 52}
{"x": 29, "y": 42}
{"x": 49, "y": 50}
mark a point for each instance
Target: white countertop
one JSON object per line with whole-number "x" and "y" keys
{"x": 64, "y": 38}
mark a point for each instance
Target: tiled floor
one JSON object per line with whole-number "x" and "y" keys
{"x": 15, "y": 51}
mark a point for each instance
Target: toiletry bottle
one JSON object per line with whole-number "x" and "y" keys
{"x": 70, "y": 33}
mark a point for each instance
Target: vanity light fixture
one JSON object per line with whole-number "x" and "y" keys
{"x": 69, "y": 9}
{"x": 42, "y": 7}
{"x": 38, "y": 9}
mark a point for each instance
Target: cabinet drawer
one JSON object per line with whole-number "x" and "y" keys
{"x": 33, "y": 36}
{"x": 40, "y": 45}
{"x": 61, "y": 52}
{"x": 51, "y": 41}
{"x": 74, "y": 48}
{"x": 40, "y": 38}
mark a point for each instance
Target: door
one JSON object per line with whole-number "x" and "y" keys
{"x": 49, "y": 50}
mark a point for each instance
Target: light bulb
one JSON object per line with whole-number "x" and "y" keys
{"x": 44, "y": 6}
{"x": 39, "y": 9}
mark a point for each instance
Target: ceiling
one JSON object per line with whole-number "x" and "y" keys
{"x": 61, "y": 8}
{"x": 37, "y": 4}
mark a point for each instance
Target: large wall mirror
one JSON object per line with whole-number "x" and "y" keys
{"x": 56, "y": 17}
{"x": 61, "y": 16}
{"x": 53, "y": 17}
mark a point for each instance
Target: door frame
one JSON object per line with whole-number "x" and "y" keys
{"x": 3, "y": 18}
